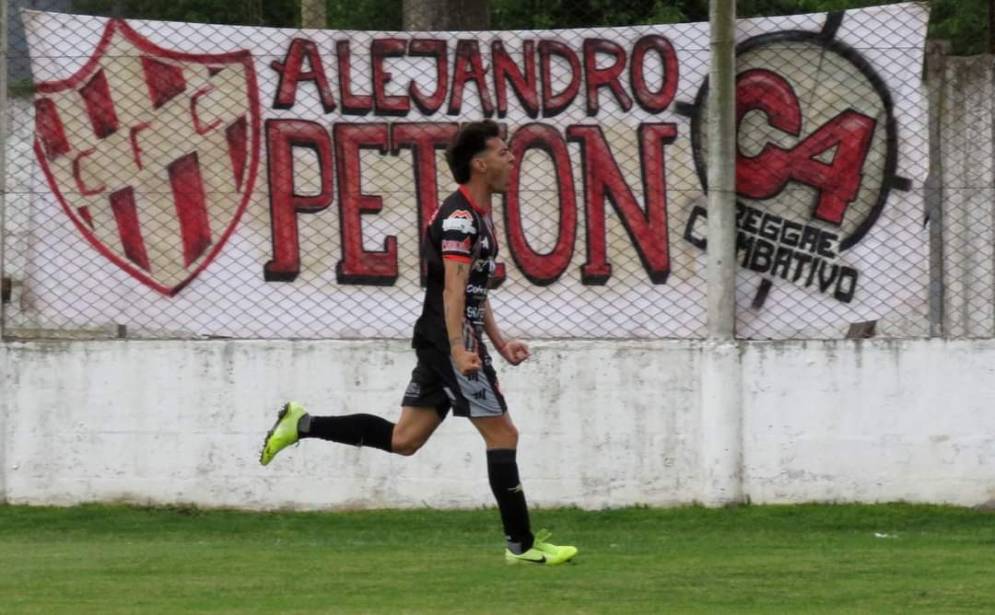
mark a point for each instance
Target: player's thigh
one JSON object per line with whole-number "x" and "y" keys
{"x": 497, "y": 431}
{"x": 415, "y": 426}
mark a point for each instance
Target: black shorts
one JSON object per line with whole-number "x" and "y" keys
{"x": 436, "y": 383}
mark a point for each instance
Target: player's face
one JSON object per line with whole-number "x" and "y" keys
{"x": 499, "y": 160}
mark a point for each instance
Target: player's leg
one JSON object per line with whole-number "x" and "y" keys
{"x": 481, "y": 400}
{"x": 501, "y": 438}
{"x": 411, "y": 431}
{"x": 414, "y": 428}
{"x": 423, "y": 408}
{"x": 478, "y": 397}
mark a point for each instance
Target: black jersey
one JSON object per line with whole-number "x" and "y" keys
{"x": 458, "y": 231}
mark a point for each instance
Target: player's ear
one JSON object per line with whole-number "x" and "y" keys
{"x": 479, "y": 163}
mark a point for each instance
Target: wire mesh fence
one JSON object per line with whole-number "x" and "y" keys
{"x": 188, "y": 178}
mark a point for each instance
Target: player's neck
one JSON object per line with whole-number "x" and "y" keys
{"x": 479, "y": 195}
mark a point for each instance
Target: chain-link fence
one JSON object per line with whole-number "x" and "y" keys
{"x": 187, "y": 179}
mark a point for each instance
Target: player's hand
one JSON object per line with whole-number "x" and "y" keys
{"x": 466, "y": 362}
{"x": 514, "y": 352}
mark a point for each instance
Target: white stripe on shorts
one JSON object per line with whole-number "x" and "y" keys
{"x": 478, "y": 392}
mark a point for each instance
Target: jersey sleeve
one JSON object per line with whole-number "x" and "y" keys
{"x": 459, "y": 233}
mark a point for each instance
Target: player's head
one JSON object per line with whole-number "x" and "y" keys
{"x": 479, "y": 152}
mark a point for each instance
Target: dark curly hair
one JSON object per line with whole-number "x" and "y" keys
{"x": 470, "y": 141}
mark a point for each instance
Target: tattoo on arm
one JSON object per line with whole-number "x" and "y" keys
{"x": 454, "y": 301}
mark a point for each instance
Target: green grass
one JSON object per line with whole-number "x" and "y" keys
{"x": 781, "y": 559}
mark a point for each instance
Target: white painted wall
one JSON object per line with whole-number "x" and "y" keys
{"x": 602, "y": 424}
{"x": 870, "y": 421}
{"x": 183, "y": 421}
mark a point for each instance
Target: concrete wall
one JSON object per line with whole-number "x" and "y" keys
{"x": 602, "y": 424}
{"x": 870, "y": 421}
{"x": 963, "y": 124}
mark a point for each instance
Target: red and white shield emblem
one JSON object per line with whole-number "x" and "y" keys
{"x": 153, "y": 153}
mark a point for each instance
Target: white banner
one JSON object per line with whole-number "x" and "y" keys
{"x": 215, "y": 180}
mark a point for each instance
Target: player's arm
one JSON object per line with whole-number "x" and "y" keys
{"x": 513, "y": 351}
{"x": 457, "y": 272}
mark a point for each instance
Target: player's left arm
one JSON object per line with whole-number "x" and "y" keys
{"x": 513, "y": 351}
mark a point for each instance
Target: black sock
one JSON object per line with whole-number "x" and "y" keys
{"x": 502, "y": 470}
{"x": 355, "y": 429}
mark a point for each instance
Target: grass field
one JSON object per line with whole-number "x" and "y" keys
{"x": 784, "y": 559}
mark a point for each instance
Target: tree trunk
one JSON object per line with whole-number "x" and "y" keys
{"x": 991, "y": 26}
{"x": 313, "y": 14}
{"x": 447, "y": 15}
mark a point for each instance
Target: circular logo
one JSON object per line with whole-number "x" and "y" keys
{"x": 816, "y": 134}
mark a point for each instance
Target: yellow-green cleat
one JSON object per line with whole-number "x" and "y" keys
{"x": 284, "y": 432}
{"x": 542, "y": 552}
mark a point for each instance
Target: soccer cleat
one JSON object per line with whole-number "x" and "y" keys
{"x": 284, "y": 432}
{"x": 542, "y": 552}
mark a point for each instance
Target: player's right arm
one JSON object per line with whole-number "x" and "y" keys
{"x": 454, "y": 302}
{"x": 459, "y": 234}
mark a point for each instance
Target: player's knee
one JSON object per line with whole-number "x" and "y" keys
{"x": 512, "y": 436}
{"x": 405, "y": 446}
{"x": 506, "y": 437}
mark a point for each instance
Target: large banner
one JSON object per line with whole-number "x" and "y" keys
{"x": 230, "y": 181}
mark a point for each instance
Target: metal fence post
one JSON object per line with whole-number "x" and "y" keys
{"x": 3, "y": 232}
{"x": 936, "y": 53}
{"x": 3, "y": 165}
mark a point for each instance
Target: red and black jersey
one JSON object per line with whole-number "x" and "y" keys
{"x": 459, "y": 231}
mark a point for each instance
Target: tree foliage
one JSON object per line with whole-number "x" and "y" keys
{"x": 963, "y": 22}
{"x": 280, "y": 13}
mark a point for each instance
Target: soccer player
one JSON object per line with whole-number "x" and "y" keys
{"x": 454, "y": 370}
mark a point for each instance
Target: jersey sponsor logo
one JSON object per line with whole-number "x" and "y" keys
{"x": 449, "y": 245}
{"x": 487, "y": 265}
{"x": 474, "y": 313}
{"x": 480, "y": 395}
{"x": 460, "y": 221}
